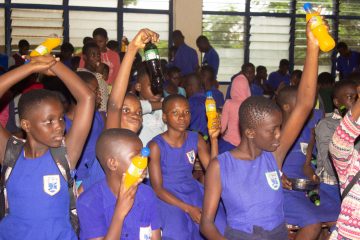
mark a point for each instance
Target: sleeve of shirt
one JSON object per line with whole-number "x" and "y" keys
{"x": 146, "y": 106}
{"x": 341, "y": 146}
{"x": 214, "y": 62}
{"x": 91, "y": 218}
{"x": 323, "y": 137}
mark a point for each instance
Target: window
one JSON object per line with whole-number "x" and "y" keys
{"x": 349, "y": 8}
{"x": 269, "y": 41}
{"x": 2, "y": 30}
{"x": 226, "y": 35}
{"x": 157, "y": 22}
{"x": 279, "y": 6}
{"x": 47, "y": 2}
{"x": 35, "y": 25}
{"x": 83, "y": 23}
{"x": 224, "y": 5}
{"x": 349, "y": 32}
{"x": 146, "y": 4}
{"x": 326, "y": 6}
{"x": 92, "y": 3}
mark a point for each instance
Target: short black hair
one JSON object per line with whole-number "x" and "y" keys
{"x": 254, "y": 110}
{"x": 67, "y": 47}
{"x": 141, "y": 71}
{"x": 113, "y": 45}
{"x": 172, "y": 70}
{"x": 342, "y": 45}
{"x": 341, "y": 85}
{"x": 86, "y": 48}
{"x": 192, "y": 79}
{"x": 87, "y": 40}
{"x": 23, "y": 43}
{"x": 177, "y": 34}
{"x": 284, "y": 62}
{"x": 86, "y": 76}
{"x": 260, "y": 68}
{"x": 285, "y": 95}
{"x": 210, "y": 70}
{"x": 245, "y": 67}
{"x": 107, "y": 143}
{"x": 202, "y": 38}
{"x": 100, "y": 32}
{"x": 33, "y": 99}
{"x": 171, "y": 98}
{"x": 325, "y": 78}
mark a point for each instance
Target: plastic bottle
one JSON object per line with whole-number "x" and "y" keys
{"x": 314, "y": 197}
{"x": 318, "y": 28}
{"x": 152, "y": 59}
{"x": 124, "y": 44}
{"x": 47, "y": 46}
{"x": 210, "y": 106}
{"x": 137, "y": 167}
{"x": 342, "y": 110}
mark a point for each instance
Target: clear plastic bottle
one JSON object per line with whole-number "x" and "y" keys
{"x": 318, "y": 28}
{"x": 47, "y": 46}
{"x": 153, "y": 64}
{"x": 210, "y": 106}
{"x": 137, "y": 167}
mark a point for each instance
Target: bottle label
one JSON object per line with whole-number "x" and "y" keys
{"x": 211, "y": 107}
{"x": 134, "y": 171}
{"x": 151, "y": 54}
{"x": 42, "y": 50}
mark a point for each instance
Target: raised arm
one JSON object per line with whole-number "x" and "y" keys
{"x": 7, "y": 80}
{"x": 304, "y": 100}
{"x": 83, "y": 113}
{"x": 120, "y": 84}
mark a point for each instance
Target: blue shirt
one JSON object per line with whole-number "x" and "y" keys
{"x": 186, "y": 59}
{"x": 218, "y": 97}
{"x": 198, "y": 120}
{"x": 275, "y": 78}
{"x": 256, "y": 90}
{"x": 95, "y": 208}
{"x": 347, "y": 65}
{"x": 211, "y": 58}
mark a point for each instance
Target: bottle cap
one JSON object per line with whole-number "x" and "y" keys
{"x": 208, "y": 94}
{"x": 317, "y": 203}
{"x": 145, "y": 152}
{"x": 307, "y": 7}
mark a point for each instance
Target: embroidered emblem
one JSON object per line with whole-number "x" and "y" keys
{"x": 303, "y": 147}
{"x": 273, "y": 180}
{"x": 191, "y": 156}
{"x": 51, "y": 184}
{"x": 145, "y": 233}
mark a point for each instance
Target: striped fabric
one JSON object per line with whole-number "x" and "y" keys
{"x": 347, "y": 163}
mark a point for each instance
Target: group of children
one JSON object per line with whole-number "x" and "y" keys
{"x": 242, "y": 197}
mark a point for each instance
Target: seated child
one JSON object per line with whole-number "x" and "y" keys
{"x": 88, "y": 170}
{"x": 209, "y": 83}
{"x": 109, "y": 211}
{"x": 298, "y": 208}
{"x": 247, "y": 178}
{"x": 172, "y": 160}
{"x": 37, "y": 192}
{"x": 172, "y": 86}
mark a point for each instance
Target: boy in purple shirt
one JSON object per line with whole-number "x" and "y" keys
{"x": 209, "y": 83}
{"x": 280, "y": 76}
{"x": 211, "y": 57}
{"x": 108, "y": 209}
{"x": 185, "y": 57}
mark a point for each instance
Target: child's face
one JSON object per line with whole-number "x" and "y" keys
{"x": 347, "y": 96}
{"x": 130, "y": 150}
{"x": 145, "y": 90}
{"x": 131, "y": 114}
{"x": 46, "y": 124}
{"x": 262, "y": 74}
{"x": 267, "y": 133}
{"x": 177, "y": 115}
{"x": 94, "y": 87}
{"x": 101, "y": 42}
{"x": 93, "y": 58}
{"x": 205, "y": 77}
{"x": 175, "y": 78}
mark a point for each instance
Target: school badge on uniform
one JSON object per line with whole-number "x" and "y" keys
{"x": 51, "y": 184}
{"x": 303, "y": 147}
{"x": 273, "y": 180}
{"x": 191, "y": 156}
{"x": 145, "y": 233}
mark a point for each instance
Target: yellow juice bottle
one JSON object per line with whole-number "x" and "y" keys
{"x": 137, "y": 167}
{"x": 318, "y": 28}
{"x": 47, "y": 46}
{"x": 210, "y": 106}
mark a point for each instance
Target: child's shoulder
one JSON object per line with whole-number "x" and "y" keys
{"x": 145, "y": 193}
{"x": 93, "y": 195}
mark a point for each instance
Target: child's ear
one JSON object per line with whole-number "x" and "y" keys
{"x": 250, "y": 133}
{"x": 138, "y": 87}
{"x": 25, "y": 125}
{"x": 164, "y": 118}
{"x": 112, "y": 164}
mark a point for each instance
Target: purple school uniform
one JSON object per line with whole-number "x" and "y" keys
{"x": 38, "y": 200}
{"x": 186, "y": 59}
{"x": 198, "y": 120}
{"x": 253, "y": 197}
{"x": 88, "y": 169}
{"x": 96, "y": 207}
{"x": 176, "y": 168}
{"x": 211, "y": 58}
{"x": 218, "y": 97}
{"x": 299, "y": 210}
{"x": 275, "y": 78}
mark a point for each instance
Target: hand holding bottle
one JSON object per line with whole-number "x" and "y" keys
{"x": 142, "y": 37}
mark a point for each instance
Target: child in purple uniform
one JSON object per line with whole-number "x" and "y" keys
{"x": 172, "y": 160}
{"x": 248, "y": 177}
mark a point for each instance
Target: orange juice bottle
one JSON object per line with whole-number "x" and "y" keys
{"x": 318, "y": 28}
{"x": 47, "y": 46}
{"x": 210, "y": 106}
{"x": 137, "y": 167}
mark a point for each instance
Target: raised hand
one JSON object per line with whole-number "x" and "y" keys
{"x": 126, "y": 197}
{"x": 43, "y": 64}
{"x": 142, "y": 37}
{"x": 214, "y": 130}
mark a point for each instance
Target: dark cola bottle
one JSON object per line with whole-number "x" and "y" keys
{"x": 153, "y": 64}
